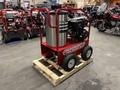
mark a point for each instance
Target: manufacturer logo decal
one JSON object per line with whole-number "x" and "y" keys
{"x": 74, "y": 48}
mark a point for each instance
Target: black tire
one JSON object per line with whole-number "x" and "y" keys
{"x": 101, "y": 27}
{"x": 25, "y": 36}
{"x": 86, "y": 53}
{"x": 44, "y": 33}
{"x": 94, "y": 24}
{"x": 67, "y": 61}
{"x": 4, "y": 38}
{"x": 29, "y": 35}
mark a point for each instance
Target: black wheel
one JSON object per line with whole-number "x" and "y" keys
{"x": 69, "y": 62}
{"x": 25, "y": 36}
{"x": 4, "y": 38}
{"x": 44, "y": 33}
{"x": 101, "y": 27}
{"x": 86, "y": 53}
{"x": 29, "y": 34}
{"x": 94, "y": 23}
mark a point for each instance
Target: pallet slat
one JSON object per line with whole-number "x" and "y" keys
{"x": 52, "y": 76}
{"x": 44, "y": 69}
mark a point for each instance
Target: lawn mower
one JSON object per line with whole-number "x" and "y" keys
{"x": 65, "y": 38}
{"x": 13, "y": 26}
{"x": 33, "y": 23}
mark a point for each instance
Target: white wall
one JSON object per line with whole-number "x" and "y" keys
{"x": 80, "y": 3}
{"x": 61, "y": 1}
{"x": 22, "y": 2}
{"x": 1, "y": 0}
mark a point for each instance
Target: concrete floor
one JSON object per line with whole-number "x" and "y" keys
{"x": 16, "y": 72}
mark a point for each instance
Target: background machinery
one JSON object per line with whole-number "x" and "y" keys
{"x": 33, "y": 23}
{"x": 13, "y": 25}
{"x": 110, "y": 21}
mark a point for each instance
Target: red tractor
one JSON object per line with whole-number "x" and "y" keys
{"x": 66, "y": 38}
{"x": 13, "y": 25}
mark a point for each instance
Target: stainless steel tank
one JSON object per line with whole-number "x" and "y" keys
{"x": 63, "y": 27}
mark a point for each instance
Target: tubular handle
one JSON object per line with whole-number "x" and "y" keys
{"x": 40, "y": 10}
{"x": 68, "y": 9}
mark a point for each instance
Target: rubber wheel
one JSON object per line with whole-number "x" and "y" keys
{"x": 94, "y": 24}
{"x": 25, "y": 36}
{"x": 101, "y": 27}
{"x": 4, "y": 38}
{"x": 69, "y": 62}
{"x": 44, "y": 33}
{"x": 86, "y": 53}
{"x": 29, "y": 34}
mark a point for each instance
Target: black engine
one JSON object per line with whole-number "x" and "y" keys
{"x": 77, "y": 29}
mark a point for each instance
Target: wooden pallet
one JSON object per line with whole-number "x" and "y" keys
{"x": 56, "y": 74}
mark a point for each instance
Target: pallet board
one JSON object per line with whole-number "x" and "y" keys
{"x": 56, "y": 75}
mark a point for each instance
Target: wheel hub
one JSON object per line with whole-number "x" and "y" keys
{"x": 88, "y": 53}
{"x": 101, "y": 26}
{"x": 71, "y": 63}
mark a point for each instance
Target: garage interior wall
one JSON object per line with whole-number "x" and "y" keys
{"x": 115, "y": 1}
{"x": 32, "y": 2}
{"x": 79, "y": 2}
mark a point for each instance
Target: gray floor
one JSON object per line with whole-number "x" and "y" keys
{"x": 16, "y": 72}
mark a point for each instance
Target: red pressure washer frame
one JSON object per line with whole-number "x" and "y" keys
{"x": 4, "y": 22}
{"x": 48, "y": 50}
